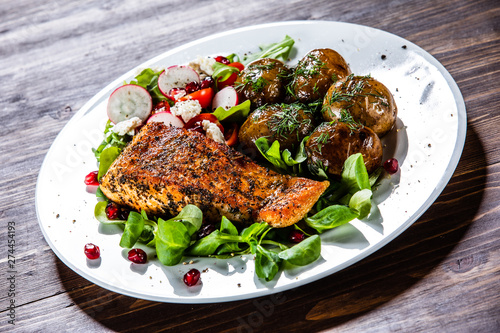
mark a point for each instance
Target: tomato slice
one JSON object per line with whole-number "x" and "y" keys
{"x": 231, "y": 135}
{"x": 238, "y": 65}
{"x": 231, "y": 79}
{"x": 228, "y": 82}
{"x": 204, "y": 96}
{"x": 196, "y": 123}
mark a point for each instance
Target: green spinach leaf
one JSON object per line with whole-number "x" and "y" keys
{"x": 111, "y": 139}
{"x": 192, "y": 217}
{"x": 354, "y": 176}
{"x": 361, "y": 203}
{"x": 267, "y": 263}
{"x": 228, "y": 228}
{"x": 133, "y": 230}
{"x": 172, "y": 238}
{"x": 236, "y": 114}
{"x": 303, "y": 253}
{"x": 280, "y": 50}
{"x": 331, "y": 217}
{"x": 107, "y": 157}
{"x": 207, "y": 245}
{"x": 282, "y": 160}
{"x": 148, "y": 79}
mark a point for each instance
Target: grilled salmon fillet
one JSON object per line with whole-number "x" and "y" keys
{"x": 165, "y": 168}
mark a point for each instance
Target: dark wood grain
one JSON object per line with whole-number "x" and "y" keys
{"x": 441, "y": 275}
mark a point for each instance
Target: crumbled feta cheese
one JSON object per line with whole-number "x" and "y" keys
{"x": 127, "y": 126}
{"x": 186, "y": 109}
{"x": 203, "y": 65}
{"x": 213, "y": 131}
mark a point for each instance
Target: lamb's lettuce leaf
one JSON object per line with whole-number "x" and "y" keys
{"x": 111, "y": 139}
{"x": 280, "y": 50}
{"x": 236, "y": 114}
{"x": 282, "y": 160}
{"x": 107, "y": 158}
{"x": 148, "y": 79}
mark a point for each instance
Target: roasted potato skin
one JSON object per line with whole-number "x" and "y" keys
{"x": 263, "y": 81}
{"x": 268, "y": 121}
{"x": 365, "y": 99}
{"x": 330, "y": 144}
{"x": 315, "y": 73}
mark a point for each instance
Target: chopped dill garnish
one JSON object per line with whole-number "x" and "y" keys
{"x": 286, "y": 119}
{"x": 350, "y": 90}
{"x": 310, "y": 66}
{"x": 320, "y": 141}
{"x": 259, "y": 84}
{"x": 253, "y": 77}
{"x": 346, "y": 117}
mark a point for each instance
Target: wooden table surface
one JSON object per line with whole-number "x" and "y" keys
{"x": 440, "y": 275}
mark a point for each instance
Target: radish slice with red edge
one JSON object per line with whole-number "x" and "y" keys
{"x": 167, "y": 118}
{"x": 129, "y": 101}
{"x": 176, "y": 77}
{"x": 226, "y": 98}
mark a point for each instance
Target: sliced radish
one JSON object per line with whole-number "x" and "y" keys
{"x": 226, "y": 97}
{"x": 129, "y": 101}
{"x": 167, "y": 118}
{"x": 176, "y": 77}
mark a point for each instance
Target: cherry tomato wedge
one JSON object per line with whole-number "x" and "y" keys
{"x": 196, "y": 123}
{"x": 231, "y": 79}
{"x": 228, "y": 82}
{"x": 231, "y": 135}
{"x": 204, "y": 96}
{"x": 162, "y": 106}
{"x": 238, "y": 65}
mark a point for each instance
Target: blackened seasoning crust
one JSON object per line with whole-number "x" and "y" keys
{"x": 173, "y": 167}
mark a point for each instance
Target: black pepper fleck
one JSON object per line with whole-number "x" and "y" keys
{"x": 383, "y": 56}
{"x": 403, "y": 47}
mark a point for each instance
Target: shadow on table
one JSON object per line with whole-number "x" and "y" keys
{"x": 326, "y": 303}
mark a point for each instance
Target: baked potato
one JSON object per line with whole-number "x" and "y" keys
{"x": 363, "y": 99}
{"x": 286, "y": 123}
{"x": 330, "y": 144}
{"x": 263, "y": 81}
{"x": 315, "y": 73}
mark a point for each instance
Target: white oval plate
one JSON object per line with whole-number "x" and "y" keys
{"x": 428, "y": 143}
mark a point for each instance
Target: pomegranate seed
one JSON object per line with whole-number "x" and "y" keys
{"x": 92, "y": 251}
{"x": 207, "y": 82}
{"x": 191, "y": 87}
{"x": 192, "y": 277}
{"x": 137, "y": 256}
{"x": 206, "y": 230}
{"x": 112, "y": 211}
{"x": 176, "y": 93}
{"x": 222, "y": 60}
{"x": 91, "y": 178}
{"x": 297, "y": 236}
{"x": 391, "y": 166}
